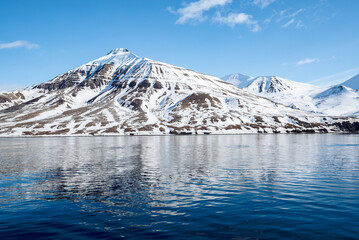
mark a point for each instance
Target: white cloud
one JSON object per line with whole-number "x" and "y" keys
{"x": 287, "y": 24}
{"x": 294, "y": 22}
{"x": 19, "y": 44}
{"x": 263, "y": 3}
{"x": 195, "y": 10}
{"x": 283, "y": 16}
{"x": 307, "y": 61}
{"x": 295, "y": 13}
{"x": 238, "y": 18}
{"x": 274, "y": 15}
{"x": 289, "y": 18}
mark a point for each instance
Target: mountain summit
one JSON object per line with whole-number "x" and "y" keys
{"x": 121, "y": 93}
{"x": 118, "y": 51}
{"x": 238, "y": 79}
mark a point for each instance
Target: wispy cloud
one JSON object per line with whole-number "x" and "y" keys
{"x": 337, "y": 77}
{"x": 286, "y": 18}
{"x": 287, "y": 24}
{"x": 307, "y": 61}
{"x": 263, "y": 3}
{"x": 233, "y": 19}
{"x": 194, "y": 11}
{"x": 295, "y": 13}
{"x": 19, "y": 44}
{"x": 274, "y": 15}
{"x": 294, "y": 22}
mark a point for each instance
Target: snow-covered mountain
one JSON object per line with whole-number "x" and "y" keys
{"x": 238, "y": 79}
{"x": 352, "y": 82}
{"x": 336, "y": 100}
{"x": 121, "y": 93}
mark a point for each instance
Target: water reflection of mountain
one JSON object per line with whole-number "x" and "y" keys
{"x": 162, "y": 168}
{"x": 173, "y": 169}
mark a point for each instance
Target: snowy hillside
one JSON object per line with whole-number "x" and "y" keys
{"x": 121, "y": 93}
{"x": 352, "y": 82}
{"x": 238, "y": 79}
{"x": 337, "y": 100}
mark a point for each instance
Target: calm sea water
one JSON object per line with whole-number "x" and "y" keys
{"x": 180, "y": 187}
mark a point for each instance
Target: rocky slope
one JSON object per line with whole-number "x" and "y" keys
{"x": 121, "y": 93}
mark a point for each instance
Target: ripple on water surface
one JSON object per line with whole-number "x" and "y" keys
{"x": 198, "y": 187}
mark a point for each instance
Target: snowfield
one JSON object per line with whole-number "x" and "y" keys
{"x": 341, "y": 100}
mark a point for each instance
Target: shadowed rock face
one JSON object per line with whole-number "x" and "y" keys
{"x": 347, "y": 126}
{"x": 20, "y": 106}
{"x": 200, "y": 101}
{"x": 61, "y": 82}
{"x": 121, "y": 93}
{"x": 4, "y": 99}
{"x": 80, "y": 78}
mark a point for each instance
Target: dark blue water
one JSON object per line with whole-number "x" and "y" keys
{"x": 180, "y": 187}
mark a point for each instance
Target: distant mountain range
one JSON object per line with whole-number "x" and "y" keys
{"x": 121, "y": 93}
{"x": 341, "y": 99}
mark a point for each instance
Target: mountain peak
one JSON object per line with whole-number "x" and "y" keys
{"x": 118, "y": 51}
{"x": 352, "y": 82}
{"x": 237, "y": 79}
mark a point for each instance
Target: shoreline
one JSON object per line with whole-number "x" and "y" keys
{"x": 179, "y": 135}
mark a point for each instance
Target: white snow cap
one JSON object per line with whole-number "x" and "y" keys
{"x": 118, "y": 51}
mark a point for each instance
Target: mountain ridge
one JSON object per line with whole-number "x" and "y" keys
{"x": 121, "y": 93}
{"x": 352, "y": 82}
{"x": 335, "y": 100}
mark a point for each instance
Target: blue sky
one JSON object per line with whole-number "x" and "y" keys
{"x": 313, "y": 41}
